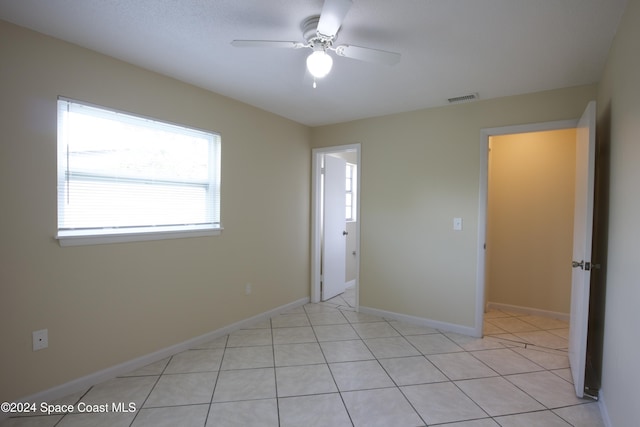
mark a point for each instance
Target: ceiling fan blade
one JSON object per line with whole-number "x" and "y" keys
{"x": 267, "y": 43}
{"x": 333, "y": 13}
{"x": 367, "y": 54}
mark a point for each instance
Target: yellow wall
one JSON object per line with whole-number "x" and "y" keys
{"x": 619, "y": 121}
{"x": 530, "y": 219}
{"x": 107, "y": 304}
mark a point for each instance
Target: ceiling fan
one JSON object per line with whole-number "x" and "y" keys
{"x": 320, "y": 32}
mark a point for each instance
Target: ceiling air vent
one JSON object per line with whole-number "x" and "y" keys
{"x": 463, "y": 98}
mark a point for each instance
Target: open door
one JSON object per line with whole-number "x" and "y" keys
{"x": 582, "y": 236}
{"x": 334, "y": 228}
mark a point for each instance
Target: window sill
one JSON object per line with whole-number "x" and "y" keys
{"x": 99, "y": 237}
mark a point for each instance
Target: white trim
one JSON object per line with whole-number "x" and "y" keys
{"x": 87, "y": 381}
{"x": 316, "y": 231}
{"x": 604, "y": 413}
{"x": 70, "y": 232}
{"x": 482, "y": 200}
{"x": 138, "y": 115}
{"x": 529, "y": 310}
{"x": 421, "y": 321}
{"x": 531, "y": 127}
{"x": 316, "y": 202}
{"x": 95, "y": 237}
{"x": 482, "y": 233}
{"x": 350, "y": 283}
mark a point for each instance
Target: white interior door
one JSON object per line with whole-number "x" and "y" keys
{"x": 334, "y": 228}
{"x": 582, "y": 232}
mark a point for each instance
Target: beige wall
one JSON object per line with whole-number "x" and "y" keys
{"x": 530, "y": 219}
{"x": 619, "y": 118}
{"x": 420, "y": 170}
{"x": 107, "y": 304}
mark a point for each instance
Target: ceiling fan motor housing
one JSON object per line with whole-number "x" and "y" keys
{"x": 310, "y": 33}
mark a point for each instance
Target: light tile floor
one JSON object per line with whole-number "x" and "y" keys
{"x": 326, "y": 365}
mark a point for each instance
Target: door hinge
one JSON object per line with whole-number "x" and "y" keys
{"x": 585, "y": 265}
{"x": 591, "y": 394}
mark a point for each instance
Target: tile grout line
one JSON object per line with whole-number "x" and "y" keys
{"x": 75, "y": 403}
{"x": 151, "y": 391}
{"x": 275, "y": 371}
{"x": 547, "y": 409}
{"x": 449, "y": 380}
{"x": 215, "y": 384}
{"x": 394, "y": 381}
{"x": 344, "y": 404}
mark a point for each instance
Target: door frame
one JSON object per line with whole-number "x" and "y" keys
{"x": 485, "y": 134}
{"x": 316, "y": 226}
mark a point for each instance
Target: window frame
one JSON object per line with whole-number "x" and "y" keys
{"x": 123, "y": 234}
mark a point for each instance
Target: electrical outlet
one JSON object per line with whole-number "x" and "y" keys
{"x": 247, "y": 289}
{"x": 40, "y": 339}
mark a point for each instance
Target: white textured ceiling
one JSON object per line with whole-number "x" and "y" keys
{"x": 449, "y": 48}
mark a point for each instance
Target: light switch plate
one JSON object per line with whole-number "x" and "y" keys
{"x": 457, "y": 224}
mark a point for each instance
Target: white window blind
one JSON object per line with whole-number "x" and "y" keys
{"x": 120, "y": 174}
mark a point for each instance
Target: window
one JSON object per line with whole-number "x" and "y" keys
{"x": 351, "y": 192}
{"x": 127, "y": 178}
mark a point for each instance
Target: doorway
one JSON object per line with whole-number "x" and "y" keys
{"x": 485, "y": 139}
{"x": 530, "y": 215}
{"x": 580, "y": 323}
{"x": 349, "y": 155}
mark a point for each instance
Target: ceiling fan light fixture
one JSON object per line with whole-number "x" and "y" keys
{"x": 319, "y": 63}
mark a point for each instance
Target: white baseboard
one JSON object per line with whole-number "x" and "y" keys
{"x": 528, "y": 310}
{"x": 87, "y": 381}
{"x": 603, "y": 410}
{"x": 421, "y": 321}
